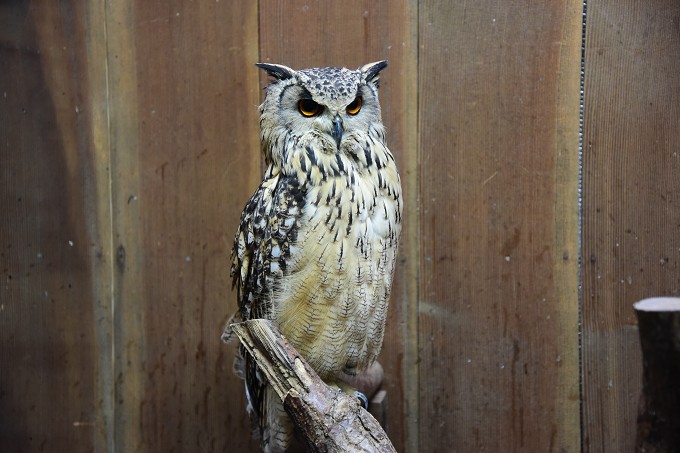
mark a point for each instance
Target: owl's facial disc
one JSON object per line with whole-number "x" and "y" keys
{"x": 320, "y": 114}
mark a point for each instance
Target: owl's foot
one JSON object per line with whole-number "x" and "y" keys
{"x": 367, "y": 382}
{"x": 362, "y": 398}
{"x": 362, "y": 385}
{"x": 350, "y": 390}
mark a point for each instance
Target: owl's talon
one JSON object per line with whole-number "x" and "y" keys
{"x": 362, "y": 398}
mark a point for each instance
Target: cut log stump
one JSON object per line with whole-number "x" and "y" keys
{"x": 658, "y": 425}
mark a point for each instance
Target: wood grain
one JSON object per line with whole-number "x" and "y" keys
{"x": 498, "y": 90}
{"x": 185, "y": 154}
{"x": 631, "y": 188}
{"x": 54, "y": 336}
{"x": 305, "y": 34}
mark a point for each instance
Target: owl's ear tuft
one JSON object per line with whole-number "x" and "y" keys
{"x": 278, "y": 71}
{"x": 371, "y": 71}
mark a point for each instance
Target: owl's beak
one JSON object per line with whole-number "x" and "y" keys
{"x": 336, "y": 132}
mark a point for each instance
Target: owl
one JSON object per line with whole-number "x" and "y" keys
{"x": 317, "y": 242}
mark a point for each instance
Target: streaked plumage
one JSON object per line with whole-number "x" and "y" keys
{"x": 316, "y": 246}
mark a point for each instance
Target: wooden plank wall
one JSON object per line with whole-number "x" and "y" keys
{"x": 631, "y": 203}
{"x": 129, "y": 145}
{"x": 54, "y": 230}
{"x": 498, "y": 306}
{"x": 184, "y": 128}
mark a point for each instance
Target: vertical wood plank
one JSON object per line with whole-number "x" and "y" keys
{"x": 184, "y": 97}
{"x": 631, "y": 190}
{"x": 304, "y": 34}
{"x": 127, "y": 267}
{"x": 55, "y": 227}
{"x": 498, "y": 112}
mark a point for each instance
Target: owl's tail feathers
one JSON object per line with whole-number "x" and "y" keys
{"x": 276, "y": 427}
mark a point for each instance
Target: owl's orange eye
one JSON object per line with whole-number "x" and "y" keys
{"x": 308, "y": 107}
{"x": 355, "y": 106}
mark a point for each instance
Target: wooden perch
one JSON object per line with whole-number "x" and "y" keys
{"x": 659, "y": 411}
{"x": 328, "y": 419}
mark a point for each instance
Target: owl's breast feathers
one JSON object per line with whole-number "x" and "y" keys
{"x": 316, "y": 248}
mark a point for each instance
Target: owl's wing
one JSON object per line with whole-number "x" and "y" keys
{"x": 267, "y": 229}
{"x": 262, "y": 244}
{"x": 248, "y": 267}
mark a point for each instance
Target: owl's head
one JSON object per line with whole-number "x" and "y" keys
{"x": 329, "y": 110}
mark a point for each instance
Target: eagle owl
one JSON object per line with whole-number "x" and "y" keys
{"x": 316, "y": 246}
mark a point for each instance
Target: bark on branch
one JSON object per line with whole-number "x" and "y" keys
{"x": 328, "y": 419}
{"x": 659, "y": 411}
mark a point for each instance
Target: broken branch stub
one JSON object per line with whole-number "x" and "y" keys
{"x": 329, "y": 420}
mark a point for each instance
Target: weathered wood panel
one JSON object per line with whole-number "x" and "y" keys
{"x": 631, "y": 196}
{"x": 498, "y": 121}
{"x": 307, "y": 34}
{"x": 184, "y": 95}
{"x": 129, "y": 144}
{"x": 54, "y": 229}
